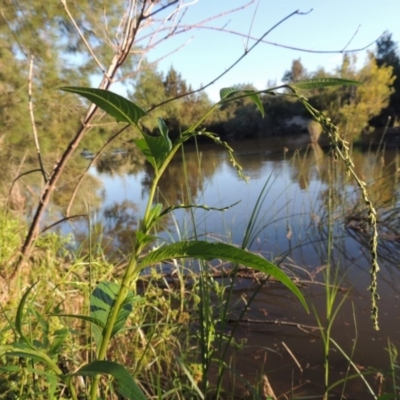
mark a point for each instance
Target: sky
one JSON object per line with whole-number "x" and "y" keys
{"x": 326, "y": 26}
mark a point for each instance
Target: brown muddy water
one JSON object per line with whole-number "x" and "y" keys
{"x": 311, "y": 216}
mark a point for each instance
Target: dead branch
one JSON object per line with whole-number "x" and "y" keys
{"x": 129, "y": 29}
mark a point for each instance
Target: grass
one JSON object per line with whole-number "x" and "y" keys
{"x": 165, "y": 339}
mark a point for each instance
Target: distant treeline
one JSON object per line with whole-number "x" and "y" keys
{"x": 355, "y": 110}
{"x": 61, "y": 59}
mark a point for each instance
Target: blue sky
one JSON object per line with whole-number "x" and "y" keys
{"x": 329, "y": 26}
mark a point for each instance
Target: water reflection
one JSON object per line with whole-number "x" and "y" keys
{"x": 185, "y": 177}
{"x": 302, "y": 184}
{"x": 21, "y": 167}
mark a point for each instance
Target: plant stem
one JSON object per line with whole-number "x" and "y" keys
{"x": 129, "y": 277}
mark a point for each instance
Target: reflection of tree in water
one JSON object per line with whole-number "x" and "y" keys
{"x": 112, "y": 234}
{"x": 309, "y": 165}
{"x": 348, "y": 210}
{"x": 173, "y": 187}
{"x": 120, "y": 223}
{"x": 341, "y": 200}
{"x": 126, "y": 161}
{"x": 25, "y": 194}
{"x": 378, "y": 170}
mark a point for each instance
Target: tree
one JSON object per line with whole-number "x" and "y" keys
{"x": 174, "y": 85}
{"x": 296, "y": 73}
{"x": 352, "y": 107}
{"x": 153, "y": 88}
{"x": 387, "y": 55}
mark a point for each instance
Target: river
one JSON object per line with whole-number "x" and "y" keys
{"x": 305, "y": 198}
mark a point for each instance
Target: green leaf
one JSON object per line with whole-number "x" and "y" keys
{"x": 154, "y": 148}
{"x": 126, "y": 384}
{"x": 256, "y": 100}
{"x": 224, "y": 93}
{"x": 20, "y": 313}
{"x": 145, "y": 149}
{"x": 229, "y": 93}
{"x": 25, "y": 351}
{"x": 208, "y": 251}
{"x": 102, "y": 300}
{"x": 322, "y": 82}
{"x": 154, "y": 215}
{"x": 164, "y": 131}
{"x": 92, "y": 320}
{"x": 113, "y": 104}
{"x": 60, "y": 336}
{"x": 143, "y": 238}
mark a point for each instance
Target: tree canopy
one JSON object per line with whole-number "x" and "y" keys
{"x": 387, "y": 54}
{"x": 352, "y": 107}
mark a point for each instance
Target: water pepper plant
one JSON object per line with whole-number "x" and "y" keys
{"x": 112, "y": 303}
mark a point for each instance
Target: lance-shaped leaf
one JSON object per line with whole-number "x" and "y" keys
{"x": 256, "y": 100}
{"x": 101, "y": 302}
{"x": 153, "y": 217}
{"x": 92, "y": 320}
{"x": 208, "y": 251}
{"x": 164, "y": 132}
{"x": 20, "y": 313}
{"x": 229, "y": 94}
{"x": 24, "y": 350}
{"x": 323, "y": 82}
{"x": 224, "y": 93}
{"x": 123, "y": 110}
{"x": 144, "y": 238}
{"x": 126, "y": 384}
{"x": 154, "y": 148}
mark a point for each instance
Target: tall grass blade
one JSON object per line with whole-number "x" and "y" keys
{"x": 20, "y": 313}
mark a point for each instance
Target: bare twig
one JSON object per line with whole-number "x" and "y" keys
{"x": 292, "y": 355}
{"x": 186, "y": 28}
{"x": 34, "y": 130}
{"x": 162, "y": 9}
{"x": 284, "y": 46}
{"x": 46, "y": 228}
{"x": 233, "y": 65}
{"x": 351, "y": 39}
{"x": 82, "y": 36}
{"x": 251, "y": 25}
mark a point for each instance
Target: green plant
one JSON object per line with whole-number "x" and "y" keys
{"x": 111, "y": 303}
